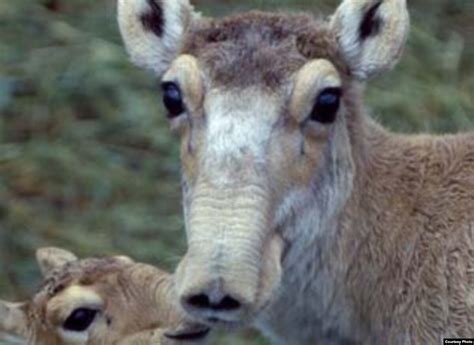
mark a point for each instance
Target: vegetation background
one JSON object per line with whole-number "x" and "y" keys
{"x": 86, "y": 158}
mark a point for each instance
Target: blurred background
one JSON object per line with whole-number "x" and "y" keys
{"x": 86, "y": 158}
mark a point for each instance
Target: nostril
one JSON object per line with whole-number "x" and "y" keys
{"x": 228, "y": 303}
{"x": 202, "y": 301}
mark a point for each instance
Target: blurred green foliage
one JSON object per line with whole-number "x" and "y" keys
{"x": 86, "y": 158}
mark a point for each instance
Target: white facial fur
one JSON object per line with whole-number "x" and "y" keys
{"x": 239, "y": 125}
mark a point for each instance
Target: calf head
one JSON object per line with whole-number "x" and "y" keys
{"x": 108, "y": 301}
{"x": 266, "y": 106}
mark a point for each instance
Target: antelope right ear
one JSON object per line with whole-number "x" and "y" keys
{"x": 153, "y": 30}
{"x": 13, "y": 319}
{"x": 51, "y": 258}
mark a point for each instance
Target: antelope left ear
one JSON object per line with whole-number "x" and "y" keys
{"x": 153, "y": 30}
{"x": 371, "y": 34}
{"x": 51, "y": 258}
{"x": 13, "y": 318}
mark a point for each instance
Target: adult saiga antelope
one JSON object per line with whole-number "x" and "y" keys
{"x": 302, "y": 214}
{"x": 106, "y": 301}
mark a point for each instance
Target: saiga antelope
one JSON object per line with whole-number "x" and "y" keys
{"x": 304, "y": 216}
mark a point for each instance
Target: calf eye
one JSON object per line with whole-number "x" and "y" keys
{"x": 172, "y": 99}
{"x": 80, "y": 320}
{"x": 327, "y": 105}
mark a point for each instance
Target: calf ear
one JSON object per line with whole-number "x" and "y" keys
{"x": 124, "y": 259}
{"x": 13, "y": 319}
{"x": 371, "y": 34}
{"x": 51, "y": 258}
{"x": 153, "y": 30}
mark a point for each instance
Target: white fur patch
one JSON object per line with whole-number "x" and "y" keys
{"x": 74, "y": 337}
{"x": 239, "y": 125}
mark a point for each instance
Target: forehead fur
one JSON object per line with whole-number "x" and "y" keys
{"x": 83, "y": 272}
{"x": 260, "y": 48}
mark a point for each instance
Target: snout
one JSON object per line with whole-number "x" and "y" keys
{"x": 230, "y": 292}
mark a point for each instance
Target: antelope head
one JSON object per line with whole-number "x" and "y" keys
{"x": 267, "y": 108}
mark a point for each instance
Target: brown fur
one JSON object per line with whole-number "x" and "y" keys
{"x": 412, "y": 279}
{"x": 259, "y": 48}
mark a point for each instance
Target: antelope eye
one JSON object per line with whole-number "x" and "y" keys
{"x": 326, "y": 106}
{"x": 80, "y": 320}
{"x": 172, "y": 99}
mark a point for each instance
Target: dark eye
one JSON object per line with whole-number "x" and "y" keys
{"x": 80, "y": 320}
{"x": 327, "y": 105}
{"x": 172, "y": 99}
